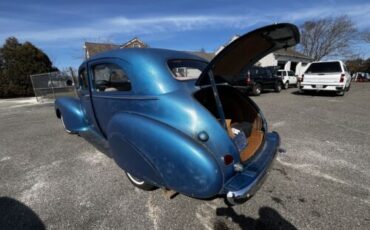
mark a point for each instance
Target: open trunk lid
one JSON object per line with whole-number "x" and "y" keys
{"x": 248, "y": 49}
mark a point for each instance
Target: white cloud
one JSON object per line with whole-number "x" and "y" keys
{"x": 122, "y": 25}
{"x": 108, "y": 27}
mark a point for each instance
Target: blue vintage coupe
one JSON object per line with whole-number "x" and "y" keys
{"x": 170, "y": 119}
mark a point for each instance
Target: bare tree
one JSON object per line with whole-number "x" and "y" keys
{"x": 327, "y": 37}
{"x": 366, "y": 36}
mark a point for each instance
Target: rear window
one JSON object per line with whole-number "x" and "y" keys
{"x": 324, "y": 67}
{"x": 186, "y": 69}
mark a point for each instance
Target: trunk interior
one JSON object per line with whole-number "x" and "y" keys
{"x": 238, "y": 112}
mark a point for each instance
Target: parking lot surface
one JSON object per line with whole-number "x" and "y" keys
{"x": 54, "y": 180}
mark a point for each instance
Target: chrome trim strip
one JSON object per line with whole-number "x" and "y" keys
{"x": 127, "y": 97}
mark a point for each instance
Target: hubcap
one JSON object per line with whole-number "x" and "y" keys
{"x": 135, "y": 180}
{"x": 64, "y": 126}
{"x": 258, "y": 90}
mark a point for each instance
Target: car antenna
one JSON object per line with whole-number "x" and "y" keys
{"x": 220, "y": 109}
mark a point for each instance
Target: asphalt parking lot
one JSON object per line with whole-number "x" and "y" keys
{"x": 54, "y": 180}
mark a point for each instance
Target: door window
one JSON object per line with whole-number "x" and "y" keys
{"x": 110, "y": 77}
{"x": 83, "y": 79}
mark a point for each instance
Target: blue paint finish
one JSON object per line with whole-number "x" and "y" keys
{"x": 184, "y": 165}
{"x": 258, "y": 166}
{"x": 152, "y": 131}
{"x": 73, "y": 117}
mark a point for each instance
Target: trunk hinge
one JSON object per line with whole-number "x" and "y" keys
{"x": 220, "y": 109}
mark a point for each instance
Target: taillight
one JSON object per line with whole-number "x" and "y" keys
{"x": 342, "y": 77}
{"x": 248, "y": 80}
{"x": 228, "y": 159}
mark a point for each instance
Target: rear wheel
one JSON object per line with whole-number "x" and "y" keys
{"x": 140, "y": 183}
{"x": 286, "y": 85}
{"x": 342, "y": 92}
{"x": 278, "y": 86}
{"x": 349, "y": 86}
{"x": 257, "y": 89}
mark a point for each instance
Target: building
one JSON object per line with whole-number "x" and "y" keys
{"x": 92, "y": 48}
{"x": 287, "y": 59}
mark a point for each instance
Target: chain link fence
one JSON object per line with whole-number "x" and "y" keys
{"x": 50, "y": 86}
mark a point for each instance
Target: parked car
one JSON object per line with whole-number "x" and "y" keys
{"x": 255, "y": 79}
{"x": 169, "y": 119}
{"x": 326, "y": 76}
{"x": 361, "y": 77}
{"x": 288, "y": 77}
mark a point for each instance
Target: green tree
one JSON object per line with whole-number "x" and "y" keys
{"x": 17, "y": 62}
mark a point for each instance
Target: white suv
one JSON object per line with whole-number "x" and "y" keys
{"x": 288, "y": 78}
{"x": 326, "y": 76}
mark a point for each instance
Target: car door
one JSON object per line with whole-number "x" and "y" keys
{"x": 111, "y": 89}
{"x": 292, "y": 78}
{"x": 268, "y": 77}
{"x": 83, "y": 92}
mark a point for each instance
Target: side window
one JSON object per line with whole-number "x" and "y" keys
{"x": 345, "y": 68}
{"x": 83, "y": 79}
{"x": 291, "y": 73}
{"x": 110, "y": 77}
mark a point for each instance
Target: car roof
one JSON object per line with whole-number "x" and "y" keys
{"x": 146, "y": 62}
{"x": 327, "y": 61}
{"x": 130, "y": 54}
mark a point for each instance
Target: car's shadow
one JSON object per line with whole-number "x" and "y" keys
{"x": 16, "y": 215}
{"x": 314, "y": 93}
{"x": 269, "y": 219}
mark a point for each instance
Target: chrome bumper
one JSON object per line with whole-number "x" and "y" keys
{"x": 245, "y": 184}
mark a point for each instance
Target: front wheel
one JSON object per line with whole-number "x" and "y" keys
{"x": 140, "y": 183}
{"x": 257, "y": 89}
{"x": 278, "y": 87}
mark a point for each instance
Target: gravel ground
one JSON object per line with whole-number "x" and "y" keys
{"x": 50, "y": 179}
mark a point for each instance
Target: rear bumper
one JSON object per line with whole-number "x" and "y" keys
{"x": 322, "y": 87}
{"x": 245, "y": 184}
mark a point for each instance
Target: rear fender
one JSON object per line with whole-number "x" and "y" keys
{"x": 164, "y": 156}
{"x": 70, "y": 109}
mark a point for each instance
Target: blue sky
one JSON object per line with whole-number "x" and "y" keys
{"x": 60, "y": 28}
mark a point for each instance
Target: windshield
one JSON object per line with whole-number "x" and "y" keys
{"x": 324, "y": 67}
{"x": 186, "y": 69}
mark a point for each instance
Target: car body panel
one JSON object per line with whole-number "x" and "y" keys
{"x": 255, "y": 75}
{"x": 288, "y": 76}
{"x": 152, "y": 129}
{"x": 73, "y": 117}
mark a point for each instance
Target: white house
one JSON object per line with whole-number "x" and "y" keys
{"x": 287, "y": 59}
